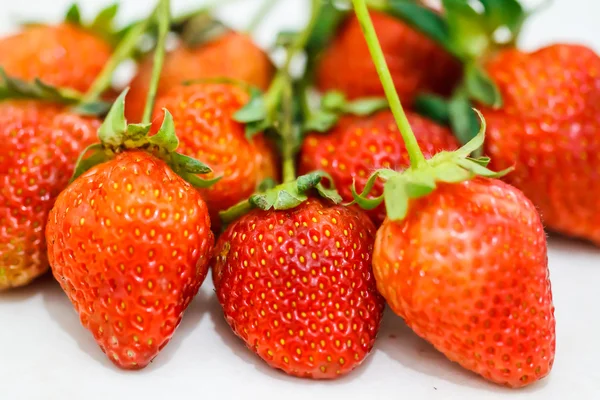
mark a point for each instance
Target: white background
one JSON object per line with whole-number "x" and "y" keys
{"x": 45, "y": 354}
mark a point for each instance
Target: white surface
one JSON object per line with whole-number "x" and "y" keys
{"x": 45, "y": 354}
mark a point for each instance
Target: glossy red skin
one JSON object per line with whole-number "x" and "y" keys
{"x": 549, "y": 129}
{"x": 234, "y": 55}
{"x": 203, "y": 116}
{"x": 130, "y": 242}
{"x": 417, "y": 63}
{"x": 298, "y": 288}
{"x": 40, "y": 145}
{"x": 358, "y": 146}
{"x": 61, "y": 55}
{"x": 468, "y": 271}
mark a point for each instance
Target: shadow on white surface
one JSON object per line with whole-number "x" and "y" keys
{"x": 17, "y": 295}
{"x": 192, "y": 317}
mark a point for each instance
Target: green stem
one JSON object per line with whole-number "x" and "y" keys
{"x": 163, "y": 14}
{"x": 236, "y": 211}
{"x": 287, "y": 132}
{"x": 362, "y": 13}
{"x": 122, "y": 52}
{"x": 264, "y": 9}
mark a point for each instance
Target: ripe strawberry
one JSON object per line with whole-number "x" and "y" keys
{"x": 41, "y": 142}
{"x": 233, "y": 55}
{"x": 203, "y": 116}
{"x": 548, "y": 128}
{"x": 468, "y": 271}
{"x": 463, "y": 258}
{"x": 416, "y": 62}
{"x": 358, "y": 146}
{"x": 296, "y": 285}
{"x": 129, "y": 242}
{"x": 63, "y": 55}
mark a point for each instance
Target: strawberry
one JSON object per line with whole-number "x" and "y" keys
{"x": 548, "y": 128}
{"x": 296, "y": 285}
{"x": 541, "y": 112}
{"x": 61, "y": 55}
{"x": 467, "y": 270}
{"x": 41, "y": 142}
{"x": 359, "y": 145}
{"x": 204, "y": 120}
{"x": 462, "y": 257}
{"x": 233, "y": 55}
{"x": 417, "y": 63}
{"x": 129, "y": 242}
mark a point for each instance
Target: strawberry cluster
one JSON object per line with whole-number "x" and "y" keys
{"x": 132, "y": 199}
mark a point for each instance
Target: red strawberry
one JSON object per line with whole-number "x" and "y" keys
{"x": 468, "y": 271}
{"x": 64, "y": 55}
{"x": 203, "y": 115}
{"x": 233, "y": 55}
{"x": 416, "y": 62}
{"x": 41, "y": 143}
{"x": 297, "y": 287}
{"x": 129, "y": 242}
{"x": 549, "y": 129}
{"x": 358, "y": 146}
{"x": 463, "y": 258}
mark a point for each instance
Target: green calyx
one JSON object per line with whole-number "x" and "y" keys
{"x": 285, "y": 196}
{"x": 116, "y": 136}
{"x": 13, "y": 88}
{"x": 103, "y": 24}
{"x": 199, "y": 28}
{"x": 334, "y": 104}
{"x": 414, "y": 183}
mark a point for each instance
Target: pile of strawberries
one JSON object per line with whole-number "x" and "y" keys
{"x": 437, "y": 211}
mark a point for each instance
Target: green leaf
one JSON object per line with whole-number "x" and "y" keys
{"x": 73, "y": 15}
{"x": 419, "y": 183}
{"x": 94, "y": 108}
{"x": 285, "y": 38}
{"x": 321, "y": 121}
{"x": 483, "y": 161}
{"x": 84, "y": 163}
{"x": 366, "y": 106}
{"x": 283, "y": 197}
{"x": 314, "y": 180}
{"x": 480, "y": 86}
{"x": 135, "y": 134}
{"x": 476, "y": 142}
{"x": 480, "y": 170}
{"x": 423, "y": 19}
{"x": 463, "y": 120}
{"x": 266, "y": 184}
{"x": 504, "y": 13}
{"x": 105, "y": 19}
{"x": 114, "y": 127}
{"x": 468, "y": 30}
{"x": 200, "y": 29}
{"x": 13, "y": 88}
{"x": 451, "y": 173}
{"x": 363, "y": 199}
{"x": 434, "y": 107}
{"x": 396, "y": 198}
{"x": 184, "y": 163}
{"x": 333, "y": 100}
{"x": 325, "y": 27}
{"x": 198, "y": 182}
{"x": 253, "y": 114}
{"x": 329, "y": 193}
{"x": 166, "y": 137}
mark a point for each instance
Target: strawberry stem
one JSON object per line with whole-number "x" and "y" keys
{"x": 123, "y": 51}
{"x": 417, "y": 159}
{"x": 163, "y": 14}
{"x": 258, "y": 18}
